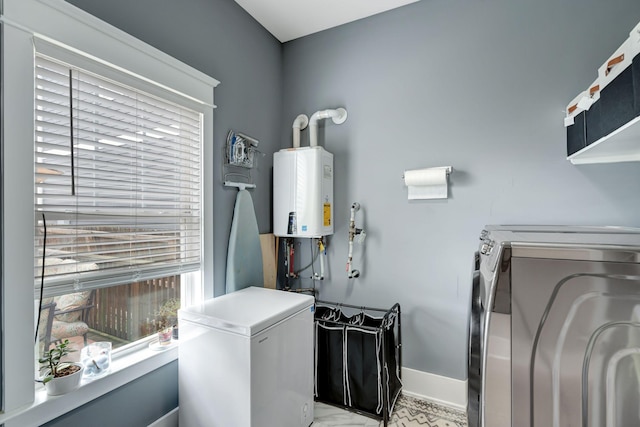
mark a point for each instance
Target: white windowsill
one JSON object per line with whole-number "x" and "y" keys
{"x": 124, "y": 369}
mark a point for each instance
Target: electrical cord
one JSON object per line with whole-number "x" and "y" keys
{"x": 313, "y": 269}
{"x": 44, "y": 251}
{"x": 313, "y": 259}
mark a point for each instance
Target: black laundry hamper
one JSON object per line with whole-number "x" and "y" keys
{"x": 358, "y": 358}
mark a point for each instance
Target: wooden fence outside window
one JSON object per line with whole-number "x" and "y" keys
{"x": 127, "y": 311}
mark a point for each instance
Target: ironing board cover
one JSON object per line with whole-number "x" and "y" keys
{"x": 244, "y": 256}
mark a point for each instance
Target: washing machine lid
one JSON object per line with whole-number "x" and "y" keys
{"x": 247, "y": 311}
{"x": 566, "y": 233}
{"x": 497, "y": 237}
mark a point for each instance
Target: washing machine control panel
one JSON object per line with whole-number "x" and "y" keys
{"x": 487, "y": 244}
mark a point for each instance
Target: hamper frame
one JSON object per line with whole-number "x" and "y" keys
{"x": 392, "y": 317}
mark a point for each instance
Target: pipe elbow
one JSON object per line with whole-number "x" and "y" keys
{"x": 301, "y": 122}
{"x": 338, "y": 116}
{"x": 315, "y": 117}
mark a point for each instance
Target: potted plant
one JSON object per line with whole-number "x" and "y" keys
{"x": 166, "y": 321}
{"x": 60, "y": 377}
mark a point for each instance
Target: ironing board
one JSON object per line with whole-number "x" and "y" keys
{"x": 244, "y": 256}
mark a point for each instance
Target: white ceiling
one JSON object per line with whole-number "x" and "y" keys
{"x": 290, "y": 19}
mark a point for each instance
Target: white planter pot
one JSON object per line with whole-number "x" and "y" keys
{"x": 63, "y": 385}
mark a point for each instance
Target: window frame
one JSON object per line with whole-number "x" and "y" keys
{"x": 63, "y": 25}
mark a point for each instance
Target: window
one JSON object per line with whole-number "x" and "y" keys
{"x": 117, "y": 190}
{"x": 95, "y": 50}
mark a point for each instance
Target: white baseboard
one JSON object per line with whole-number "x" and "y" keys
{"x": 438, "y": 389}
{"x": 168, "y": 420}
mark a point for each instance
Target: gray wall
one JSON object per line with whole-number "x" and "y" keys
{"x": 480, "y": 86}
{"x": 153, "y": 399}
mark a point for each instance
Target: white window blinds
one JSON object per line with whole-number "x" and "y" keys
{"x": 117, "y": 178}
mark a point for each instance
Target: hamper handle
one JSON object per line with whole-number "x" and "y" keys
{"x": 612, "y": 62}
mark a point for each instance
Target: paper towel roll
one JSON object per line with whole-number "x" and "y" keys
{"x": 428, "y": 183}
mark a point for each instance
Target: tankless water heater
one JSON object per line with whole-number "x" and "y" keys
{"x": 303, "y": 192}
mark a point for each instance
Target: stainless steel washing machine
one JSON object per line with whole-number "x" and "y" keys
{"x": 554, "y": 330}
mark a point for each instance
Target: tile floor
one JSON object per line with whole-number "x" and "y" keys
{"x": 330, "y": 416}
{"x": 408, "y": 412}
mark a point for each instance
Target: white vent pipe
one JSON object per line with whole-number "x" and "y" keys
{"x": 299, "y": 124}
{"x": 338, "y": 116}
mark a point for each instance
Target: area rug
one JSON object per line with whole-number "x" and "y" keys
{"x": 412, "y": 412}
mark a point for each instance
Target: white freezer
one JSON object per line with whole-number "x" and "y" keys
{"x": 246, "y": 360}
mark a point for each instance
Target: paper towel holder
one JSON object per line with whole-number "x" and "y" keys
{"x": 447, "y": 169}
{"x": 427, "y": 183}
